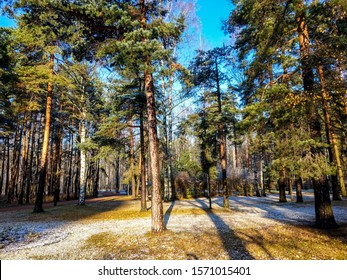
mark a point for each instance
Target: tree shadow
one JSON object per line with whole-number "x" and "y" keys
{"x": 168, "y": 213}
{"x": 301, "y": 215}
{"x": 232, "y": 244}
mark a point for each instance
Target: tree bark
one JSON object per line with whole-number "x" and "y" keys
{"x": 262, "y": 185}
{"x": 15, "y": 166}
{"x": 331, "y": 138}
{"x": 157, "y": 204}
{"x": 132, "y": 156}
{"x": 282, "y": 183}
{"x": 44, "y": 153}
{"x": 324, "y": 213}
{"x": 57, "y": 163}
{"x": 298, "y": 186}
{"x": 96, "y": 179}
{"x": 83, "y": 162}
{"x": 25, "y": 150}
{"x": 7, "y": 167}
{"x": 29, "y": 177}
{"x": 222, "y": 145}
{"x": 143, "y": 165}
{"x": 3, "y": 167}
{"x": 170, "y": 139}
{"x": 117, "y": 174}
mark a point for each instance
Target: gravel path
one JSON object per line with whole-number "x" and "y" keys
{"x": 38, "y": 239}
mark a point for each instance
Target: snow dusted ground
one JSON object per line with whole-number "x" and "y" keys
{"x": 22, "y": 238}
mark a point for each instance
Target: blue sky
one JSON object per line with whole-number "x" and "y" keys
{"x": 211, "y": 13}
{"x": 5, "y": 22}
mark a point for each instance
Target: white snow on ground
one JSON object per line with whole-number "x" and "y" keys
{"x": 25, "y": 240}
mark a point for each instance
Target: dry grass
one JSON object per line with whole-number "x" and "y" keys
{"x": 165, "y": 246}
{"x": 279, "y": 241}
{"x": 295, "y": 243}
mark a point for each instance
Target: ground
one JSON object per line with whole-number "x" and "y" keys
{"x": 114, "y": 228}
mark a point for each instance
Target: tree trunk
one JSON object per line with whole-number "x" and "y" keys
{"x": 282, "y": 183}
{"x": 30, "y": 166}
{"x": 117, "y": 174}
{"x": 209, "y": 191}
{"x": 3, "y": 167}
{"x": 262, "y": 185}
{"x": 330, "y": 135}
{"x": 96, "y": 179}
{"x": 132, "y": 157}
{"x": 7, "y": 167}
{"x": 44, "y": 153}
{"x": 83, "y": 162}
{"x": 25, "y": 151}
{"x": 14, "y": 167}
{"x": 324, "y": 211}
{"x": 57, "y": 163}
{"x": 69, "y": 180}
{"x": 298, "y": 186}
{"x": 170, "y": 123}
{"x": 51, "y": 164}
{"x": 167, "y": 189}
{"x": 143, "y": 165}
{"x": 222, "y": 145}
{"x": 157, "y": 204}
{"x": 77, "y": 162}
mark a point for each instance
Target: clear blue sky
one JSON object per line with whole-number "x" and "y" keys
{"x": 5, "y": 22}
{"x": 211, "y": 13}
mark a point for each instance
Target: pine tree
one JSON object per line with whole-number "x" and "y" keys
{"x": 209, "y": 72}
{"x": 269, "y": 43}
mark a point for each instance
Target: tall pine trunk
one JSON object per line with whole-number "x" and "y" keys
{"x": 331, "y": 138}
{"x": 14, "y": 166}
{"x": 3, "y": 167}
{"x": 157, "y": 203}
{"x": 143, "y": 165}
{"x": 70, "y": 172}
{"x": 29, "y": 177}
{"x": 324, "y": 213}
{"x": 222, "y": 143}
{"x": 83, "y": 163}
{"x": 95, "y": 178}
{"x": 24, "y": 156}
{"x": 170, "y": 139}
{"x": 7, "y": 181}
{"x": 132, "y": 156}
{"x": 57, "y": 163}
{"x": 44, "y": 153}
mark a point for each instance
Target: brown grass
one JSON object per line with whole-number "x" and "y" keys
{"x": 280, "y": 242}
{"x": 295, "y": 243}
{"x": 272, "y": 242}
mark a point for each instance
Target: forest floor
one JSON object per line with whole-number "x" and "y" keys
{"x": 114, "y": 228}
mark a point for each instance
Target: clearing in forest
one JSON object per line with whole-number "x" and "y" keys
{"x": 114, "y": 228}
